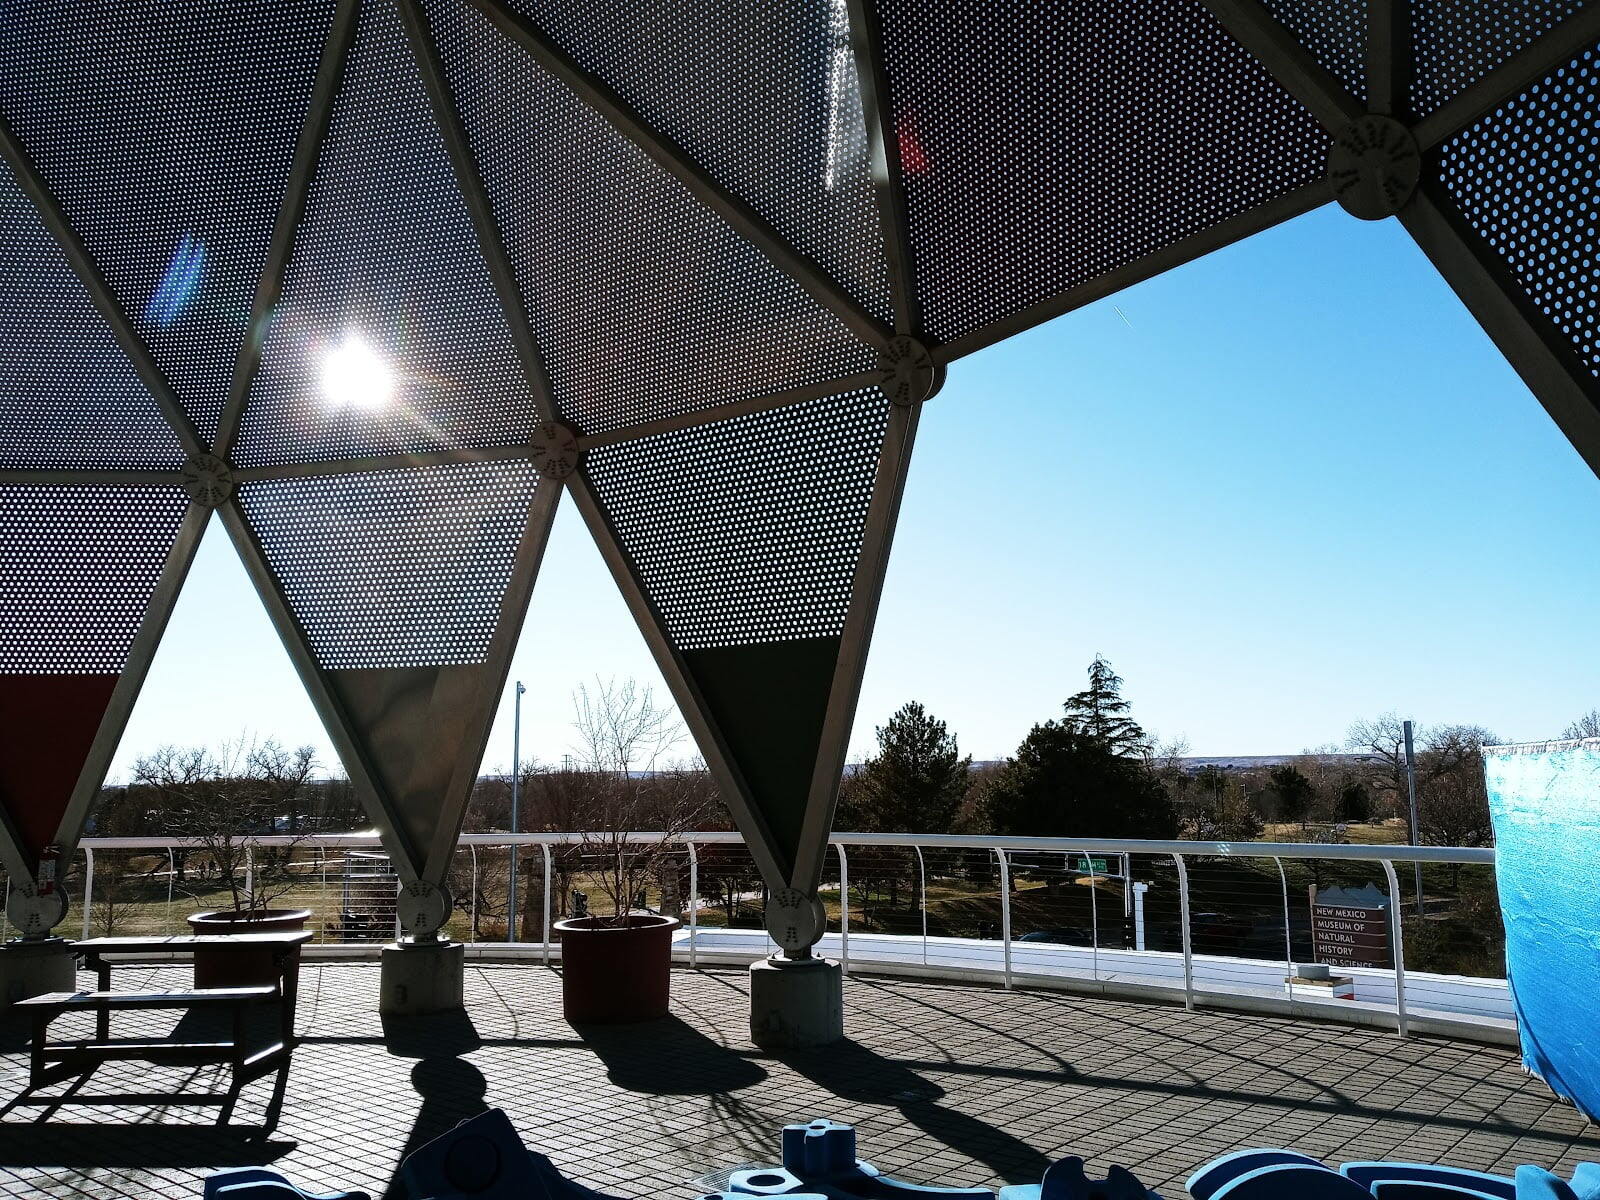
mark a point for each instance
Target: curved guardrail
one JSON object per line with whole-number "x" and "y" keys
{"x": 1115, "y": 952}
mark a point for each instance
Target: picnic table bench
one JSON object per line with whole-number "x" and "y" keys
{"x": 52, "y": 1062}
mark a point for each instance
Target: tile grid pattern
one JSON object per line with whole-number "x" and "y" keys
{"x": 947, "y": 1084}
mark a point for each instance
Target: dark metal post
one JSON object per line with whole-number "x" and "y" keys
{"x": 1411, "y": 795}
{"x": 516, "y": 797}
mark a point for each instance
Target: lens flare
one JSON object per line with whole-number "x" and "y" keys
{"x": 354, "y": 375}
{"x": 179, "y": 285}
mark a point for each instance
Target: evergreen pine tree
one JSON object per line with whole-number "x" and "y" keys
{"x": 1355, "y": 805}
{"x": 1064, "y": 784}
{"x": 917, "y": 780}
{"x": 1085, "y": 775}
{"x": 1294, "y": 791}
{"x": 1099, "y": 713}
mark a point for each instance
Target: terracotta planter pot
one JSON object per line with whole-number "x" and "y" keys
{"x": 615, "y": 974}
{"x": 244, "y": 968}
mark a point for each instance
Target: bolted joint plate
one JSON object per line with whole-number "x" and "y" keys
{"x": 34, "y": 913}
{"x": 795, "y": 920}
{"x": 907, "y": 373}
{"x": 554, "y": 450}
{"x": 207, "y": 479}
{"x": 422, "y": 908}
{"x": 1373, "y": 167}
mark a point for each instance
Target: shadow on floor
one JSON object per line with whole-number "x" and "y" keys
{"x": 450, "y": 1088}
{"x": 81, "y": 1145}
{"x": 435, "y": 1035}
{"x": 15, "y": 1034}
{"x": 858, "y": 1075}
{"x": 29, "y": 1124}
{"x": 668, "y": 1057}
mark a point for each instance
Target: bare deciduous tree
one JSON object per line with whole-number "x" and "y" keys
{"x": 1452, "y": 805}
{"x": 1586, "y": 726}
{"x": 622, "y": 789}
{"x": 621, "y": 728}
{"x": 1383, "y": 739}
{"x": 221, "y": 799}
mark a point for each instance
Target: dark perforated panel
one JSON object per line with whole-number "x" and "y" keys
{"x": 1335, "y": 32}
{"x": 395, "y": 568}
{"x": 646, "y": 304}
{"x": 1524, "y": 177}
{"x": 166, "y": 132}
{"x": 1047, "y": 145}
{"x": 763, "y": 95}
{"x": 68, "y": 397}
{"x": 389, "y": 337}
{"x": 748, "y": 530}
{"x": 77, "y": 568}
{"x": 1458, "y": 42}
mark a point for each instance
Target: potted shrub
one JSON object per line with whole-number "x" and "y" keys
{"x": 219, "y": 804}
{"x": 616, "y": 966}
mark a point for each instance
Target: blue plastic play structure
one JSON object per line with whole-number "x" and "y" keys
{"x": 1285, "y": 1175}
{"x": 258, "y": 1183}
{"x": 1545, "y": 801}
{"x": 484, "y": 1159}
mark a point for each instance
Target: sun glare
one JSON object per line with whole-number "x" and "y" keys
{"x": 355, "y": 375}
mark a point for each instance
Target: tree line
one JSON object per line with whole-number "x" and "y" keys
{"x": 1094, "y": 771}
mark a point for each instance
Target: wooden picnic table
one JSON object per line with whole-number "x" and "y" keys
{"x": 99, "y": 954}
{"x": 54, "y": 1061}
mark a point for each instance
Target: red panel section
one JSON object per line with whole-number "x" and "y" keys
{"x": 47, "y": 724}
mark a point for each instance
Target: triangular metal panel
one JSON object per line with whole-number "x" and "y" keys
{"x": 770, "y": 702}
{"x": 69, "y": 398}
{"x": 763, "y": 96}
{"x": 386, "y": 276}
{"x": 739, "y": 543}
{"x": 88, "y": 576}
{"x": 1043, "y": 149}
{"x": 399, "y": 594}
{"x": 1518, "y": 184}
{"x": 416, "y": 723}
{"x": 1510, "y": 217}
{"x": 1334, "y": 32}
{"x": 1456, "y": 43}
{"x": 166, "y": 132}
{"x": 59, "y": 711}
{"x": 644, "y": 302}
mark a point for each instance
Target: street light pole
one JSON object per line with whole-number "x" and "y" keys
{"x": 516, "y": 796}
{"x": 1411, "y": 795}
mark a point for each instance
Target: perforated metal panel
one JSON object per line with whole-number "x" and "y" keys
{"x": 386, "y": 276}
{"x": 1524, "y": 178}
{"x": 166, "y": 130}
{"x": 748, "y": 531}
{"x": 645, "y": 303}
{"x": 77, "y": 569}
{"x": 1335, "y": 32}
{"x": 764, "y": 95}
{"x": 68, "y": 397}
{"x": 1458, "y": 42}
{"x": 1047, "y": 145}
{"x": 394, "y": 568}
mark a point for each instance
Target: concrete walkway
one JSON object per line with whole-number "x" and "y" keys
{"x": 948, "y": 1083}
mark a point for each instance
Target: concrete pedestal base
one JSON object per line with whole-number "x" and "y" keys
{"x": 796, "y": 1004}
{"x": 33, "y": 968}
{"x": 421, "y": 977}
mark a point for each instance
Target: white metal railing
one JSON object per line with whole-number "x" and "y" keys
{"x": 1140, "y": 960}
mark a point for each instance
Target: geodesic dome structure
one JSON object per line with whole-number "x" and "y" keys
{"x": 379, "y": 280}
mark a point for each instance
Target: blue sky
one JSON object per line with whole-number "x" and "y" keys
{"x": 1283, "y": 487}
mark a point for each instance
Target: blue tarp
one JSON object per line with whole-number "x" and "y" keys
{"x": 1545, "y": 802}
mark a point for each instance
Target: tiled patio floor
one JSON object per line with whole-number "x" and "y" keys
{"x": 947, "y": 1084}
